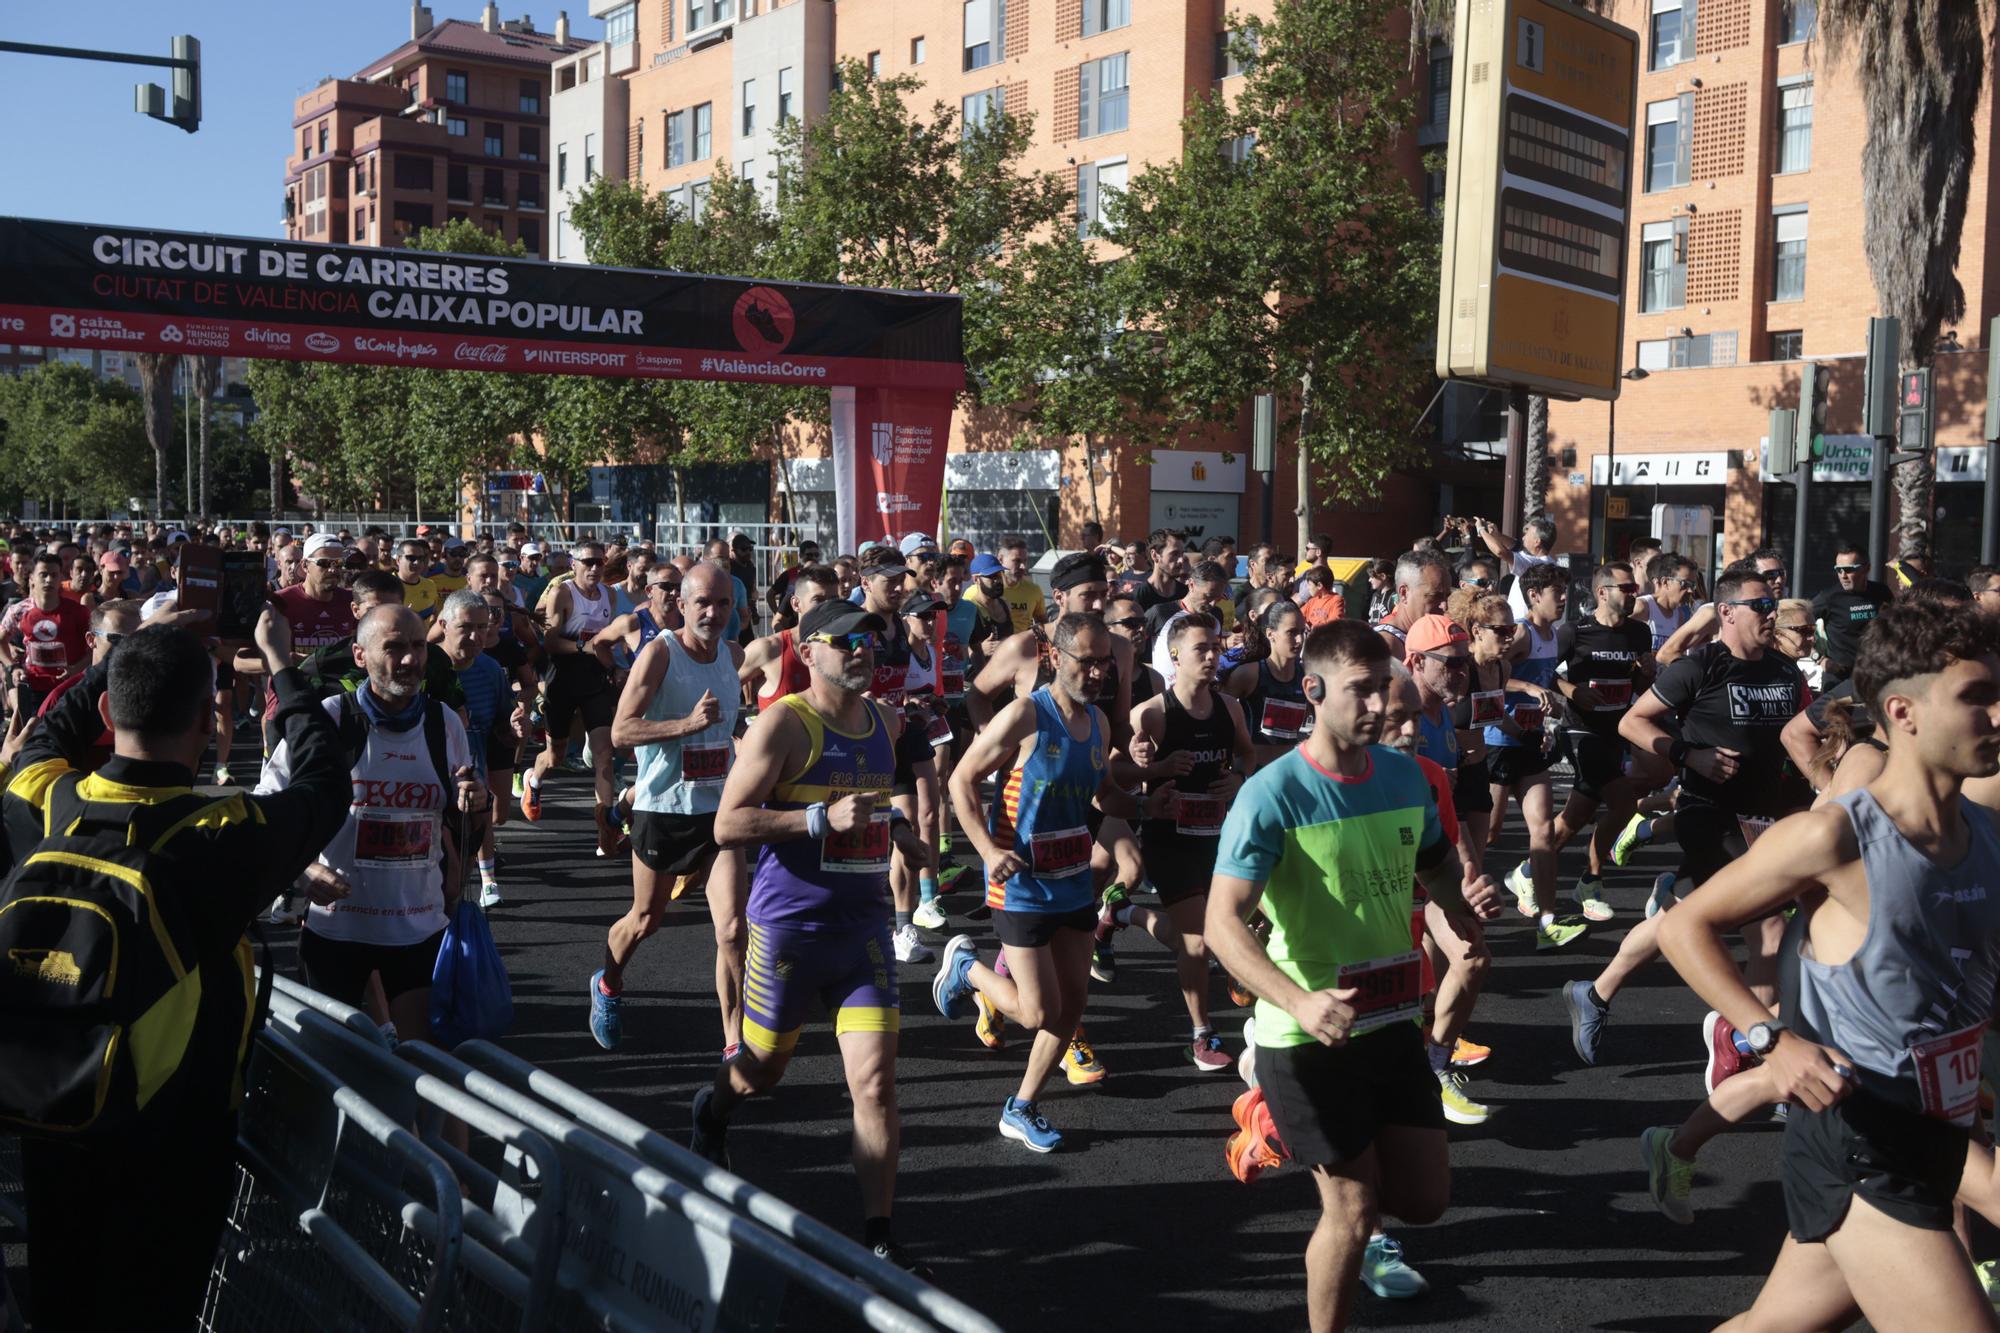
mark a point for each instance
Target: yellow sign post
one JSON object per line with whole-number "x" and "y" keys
{"x": 1535, "y": 225}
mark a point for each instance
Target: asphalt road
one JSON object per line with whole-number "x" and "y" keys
{"x": 1136, "y": 1223}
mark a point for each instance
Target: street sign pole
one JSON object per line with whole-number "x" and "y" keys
{"x": 1881, "y": 419}
{"x": 1514, "y": 487}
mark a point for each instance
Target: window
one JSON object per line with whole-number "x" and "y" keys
{"x": 697, "y": 200}
{"x": 562, "y": 167}
{"x": 1788, "y": 344}
{"x": 322, "y": 136}
{"x": 677, "y": 146}
{"x": 1663, "y": 259}
{"x": 1228, "y": 64}
{"x": 530, "y": 190}
{"x": 975, "y": 109}
{"x": 702, "y": 15}
{"x": 562, "y": 227}
{"x": 530, "y": 234}
{"x": 621, "y": 27}
{"x": 1434, "y": 193}
{"x": 589, "y": 158}
{"x": 531, "y": 97}
{"x": 1795, "y": 121}
{"x": 1242, "y": 149}
{"x": 916, "y": 50}
{"x": 1796, "y": 21}
{"x": 529, "y": 143}
{"x": 305, "y": 143}
{"x": 360, "y": 226}
{"x": 1788, "y": 267}
{"x": 985, "y": 32}
{"x": 874, "y": 66}
{"x": 749, "y": 106}
{"x": 458, "y": 183}
{"x": 704, "y": 116}
{"x": 413, "y": 172}
{"x": 496, "y": 140}
{"x": 748, "y": 169}
{"x": 1102, "y": 94}
{"x": 638, "y": 147}
{"x": 495, "y": 195}
{"x": 1094, "y": 182}
{"x": 1104, "y": 15}
{"x": 1437, "y": 105}
{"x": 1672, "y": 33}
{"x": 455, "y": 86}
{"x": 785, "y": 87}
{"x": 1669, "y": 132}
{"x": 1707, "y": 349}
{"x": 455, "y": 126}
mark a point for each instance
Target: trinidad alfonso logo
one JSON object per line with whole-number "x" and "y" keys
{"x": 763, "y": 321}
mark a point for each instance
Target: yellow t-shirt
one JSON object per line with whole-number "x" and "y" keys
{"x": 1025, "y": 606}
{"x": 447, "y": 584}
{"x": 422, "y": 597}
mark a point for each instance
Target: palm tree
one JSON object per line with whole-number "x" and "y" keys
{"x": 1922, "y": 66}
{"x": 156, "y": 395}
{"x": 207, "y": 379}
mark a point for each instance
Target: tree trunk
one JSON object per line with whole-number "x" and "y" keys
{"x": 1304, "y": 509}
{"x": 156, "y": 396}
{"x": 1535, "y": 466}
{"x": 277, "y": 483}
{"x": 207, "y": 379}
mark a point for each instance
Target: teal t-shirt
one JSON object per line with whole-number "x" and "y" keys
{"x": 1337, "y": 858}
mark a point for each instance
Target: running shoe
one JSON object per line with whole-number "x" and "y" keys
{"x": 952, "y": 985}
{"x": 1115, "y": 897}
{"x": 989, "y": 1024}
{"x": 1080, "y": 1063}
{"x": 929, "y": 916}
{"x": 910, "y": 949}
{"x": 1021, "y": 1122}
{"x": 531, "y": 802}
{"x": 1255, "y": 1147}
{"x": 708, "y": 1139}
{"x": 1459, "y": 1108}
{"x": 489, "y": 895}
{"x": 604, "y": 1021}
{"x": 1989, "y": 1280}
{"x": 1466, "y": 1054}
{"x": 1559, "y": 935}
{"x": 1207, "y": 1054}
{"x": 1637, "y": 830}
{"x": 1522, "y": 883}
{"x": 1662, "y": 896}
{"x": 1669, "y": 1179}
{"x": 1239, "y": 994}
{"x": 285, "y": 911}
{"x": 517, "y": 786}
{"x": 949, "y": 876}
{"x": 222, "y": 778}
{"x": 729, "y": 1051}
{"x": 1782, "y": 1112}
{"x": 1590, "y": 892}
{"x": 1586, "y": 1020}
{"x": 1384, "y": 1272}
{"x": 1724, "y": 1060}
{"x": 945, "y": 844}
{"x": 890, "y": 1253}
{"x": 1246, "y": 1063}
{"x": 1103, "y": 962}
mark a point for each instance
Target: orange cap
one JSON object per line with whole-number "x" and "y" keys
{"x": 1431, "y": 633}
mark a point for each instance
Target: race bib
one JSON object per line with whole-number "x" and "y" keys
{"x": 1198, "y": 816}
{"x": 1286, "y": 720}
{"x": 705, "y": 765}
{"x": 1060, "y": 854}
{"x": 1390, "y": 990}
{"x": 392, "y": 839}
{"x": 1752, "y": 828}
{"x": 1488, "y": 705}
{"x": 1528, "y": 717}
{"x": 1948, "y": 1074}
{"x": 953, "y": 679}
{"x": 862, "y": 851}
{"x": 938, "y": 732}
{"x": 1612, "y": 694}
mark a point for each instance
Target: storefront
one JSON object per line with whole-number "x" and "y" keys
{"x": 1201, "y": 494}
{"x": 1626, "y": 492}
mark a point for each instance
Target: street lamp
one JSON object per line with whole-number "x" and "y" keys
{"x": 1635, "y": 374}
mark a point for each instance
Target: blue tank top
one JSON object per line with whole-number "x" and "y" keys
{"x": 1042, "y": 810}
{"x": 839, "y": 882}
{"x": 1539, "y": 667}
{"x": 1438, "y": 741}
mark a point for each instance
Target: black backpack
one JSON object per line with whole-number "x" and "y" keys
{"x": 101, "y": 982}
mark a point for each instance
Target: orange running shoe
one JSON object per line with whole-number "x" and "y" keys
{"x": 1255, "y": 1147}
{"x": 1466, "y": 1054}
{"x": 1239, "y": 994}
{"x": 990, "y": 1026}
{"x": 531, "y": 801}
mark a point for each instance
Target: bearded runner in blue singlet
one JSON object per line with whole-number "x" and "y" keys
{"x": 1036, "y": 845}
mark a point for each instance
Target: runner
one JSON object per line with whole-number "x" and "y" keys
{"x": 678, "y": 709}
{"x": 656, "y": 611}
{"x": 808, "y": 792}
{"x": 495, "y": 713}
{"x": 1272, "y": 687}
{"x": 1846, "y": 609}
{"x": 1328, "y": 841}
{"x": 413, "y": 562}
{"x": 773, "y": 666}
{"x": 1037, "y": 853}
{"x": 1423, "y": 582}
{"x": 921, "y": 752}
{"x": 1729, "y": 700}
{"x": 884, "y": 584}
{"x": 579, "y": 685}
{"x": 1207, "y": 594}
{"x": 1880, "y": 1059}
{"x": 1672, "y": 603}
{"x": 42, "y": 637}
{"x": 1699, "y": 627}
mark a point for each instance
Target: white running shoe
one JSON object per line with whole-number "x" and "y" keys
{"x": 910, "y": 949}
{"x": 929, "y": 916}
{"x": 489, "y": 896}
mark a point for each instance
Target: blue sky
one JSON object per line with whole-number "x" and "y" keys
{"x": 76, "y": 150}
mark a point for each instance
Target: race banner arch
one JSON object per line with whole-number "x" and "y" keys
{"x": 892, "y": 361}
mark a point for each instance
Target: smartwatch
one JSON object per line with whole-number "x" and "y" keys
{"x": 1763, "y": 1036}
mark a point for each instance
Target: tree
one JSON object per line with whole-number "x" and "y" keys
{"x": 71, "y": 438}
{"x": 1285, "y": 248}
{"x": 1922, "y": 66}
{"x": 207, "y": 378}
{"x": 1535, "y": 466}
{"x": 156, "y": 397}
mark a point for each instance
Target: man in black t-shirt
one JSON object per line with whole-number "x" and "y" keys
{"x": 1168, "y": 550}
{"x": 1606, "y": 660}
{"x": 1717, "y": 715}
{"x": 1846, "y": 611}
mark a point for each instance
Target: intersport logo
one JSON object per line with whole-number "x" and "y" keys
{"x": 491, "y": 354}
{"x": 396, "y": 347}
{"x": 322, "y": 342}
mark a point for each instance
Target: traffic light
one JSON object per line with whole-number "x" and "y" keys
{"x": 1814, "y": 380}
{"x": 183, "y": 108}
{"x": 1914, "y": 420}
{"x": 1784, "y": 442}
{"x": 1879, "y": 411}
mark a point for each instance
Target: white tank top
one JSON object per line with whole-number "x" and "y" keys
{"x": 586, "y": 617}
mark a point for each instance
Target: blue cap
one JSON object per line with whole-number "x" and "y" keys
{"x": 985, "y": 566}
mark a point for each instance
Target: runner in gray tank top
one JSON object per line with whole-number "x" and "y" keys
{"x": 1898, "y": 931}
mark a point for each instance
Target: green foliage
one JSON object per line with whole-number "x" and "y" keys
{"x": 73, "y": 437}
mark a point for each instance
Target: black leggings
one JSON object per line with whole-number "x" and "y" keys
{"x": 340, "y": 968}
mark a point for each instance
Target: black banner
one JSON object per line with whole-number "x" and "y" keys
{"x": 129, "y": 289}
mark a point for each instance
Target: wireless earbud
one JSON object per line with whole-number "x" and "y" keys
{"x": 1315, "y": 689}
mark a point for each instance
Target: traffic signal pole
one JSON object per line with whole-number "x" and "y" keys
{"x": 1514, "y": 488}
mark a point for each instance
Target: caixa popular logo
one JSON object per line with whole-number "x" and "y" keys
{"x": 323, "y": 342}
{"x": 396, "y": 347}
{"x": 763, "y": 321}
{"x": 62, "y": 326}
{"x": 268, "y": 337}
{"x": 490, "y": 354}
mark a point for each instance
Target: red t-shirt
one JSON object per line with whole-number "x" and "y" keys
{"x": 315, "y": 624}
{"x": 52, "y": 643}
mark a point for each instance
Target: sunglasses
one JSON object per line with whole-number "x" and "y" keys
{"x": 1763, "y": 606}
{"x": 113, "y": 639}
{"x": 1848, "y": 569}
{"x": 1477, "y": 583}
{"x": 1626, "y": 587}
{"x": 1130, "y": 622}
{"x": 846, "y": 643}
{"x": 1795, "y": 629}
{"x": 1502, "y": 632}
{"x": 326, "y": 564}
{"x": 510, "y": 564}
{"x": 591, "y": 563}
{"x": 1452, "y": 661}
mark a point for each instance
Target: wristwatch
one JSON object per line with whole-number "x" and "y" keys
{"x": 1763, "y": 1036}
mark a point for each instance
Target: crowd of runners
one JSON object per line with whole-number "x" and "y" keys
{"x": 923, "y": 762}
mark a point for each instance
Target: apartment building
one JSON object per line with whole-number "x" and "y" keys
{"x": 452, "y": 124}
{"x": 1745, "y": 260}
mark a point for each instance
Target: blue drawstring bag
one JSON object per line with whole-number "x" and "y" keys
{"x": 470, "y": 994}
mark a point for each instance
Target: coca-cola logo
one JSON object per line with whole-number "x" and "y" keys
{"x": 492, "y": 354}
{"x": 322, "y": 342}
{"x": 396, "y": 347}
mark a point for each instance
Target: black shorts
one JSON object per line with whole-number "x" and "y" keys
{"x": 577, "y": 684}
{"x": 225, "y": 675}
{"x": 674, "y": 845}
{"x": 913, "y": 747}
{"x": 1905, "y": 1164}
{"x": 1710, "y": 839}
{"x": 1600, "y": 761}
{"x": 1511, "y": 765}
{"x": 1032, "y": 930}
{"x": 503, "y": 749}
{"x": 1472, "y": 789}
{"x": 1331, "y": 1102}
{"x": 1178, "y": 868}
{"x": 340, "y": 968}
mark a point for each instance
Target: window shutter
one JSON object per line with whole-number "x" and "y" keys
{"x": 1086, "y": 99}
{"x": 1093, "y": 17}
{"x": 1684, "y": 118}
{"x": 999, "y": 31}
{"x": 1086, "y": 198}
{"x": 1688, "y": 30}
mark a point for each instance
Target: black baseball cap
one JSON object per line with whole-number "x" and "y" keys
{"x": 921, "y": 604}
{"x": 836, "y": 616}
